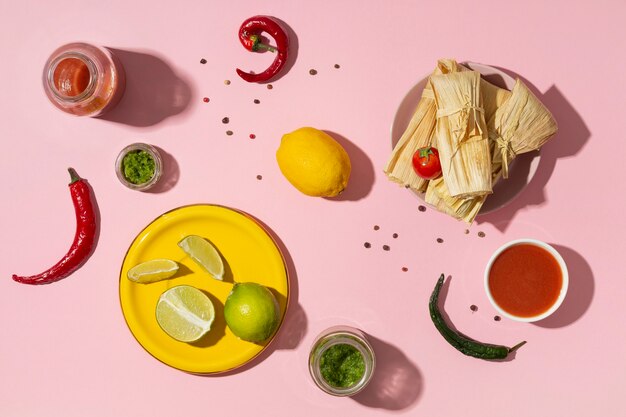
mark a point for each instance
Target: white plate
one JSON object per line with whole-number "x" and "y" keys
{"x": 521, "y": 171}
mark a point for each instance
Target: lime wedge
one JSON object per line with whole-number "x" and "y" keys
{"x": 153, "y": 271}
{"x": 185, "y": 313}
{"x": 204, "y": 254}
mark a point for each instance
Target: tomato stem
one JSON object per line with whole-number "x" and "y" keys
{"x": 426, "y": 153}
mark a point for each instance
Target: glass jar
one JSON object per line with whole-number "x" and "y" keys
{"x": 158, "y": 166}
{"x": 83, "y": 79}
{"x": 341, "y": 335}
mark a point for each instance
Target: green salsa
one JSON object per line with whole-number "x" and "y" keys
{"x": 342, "y": 365}
{"x": 138, "y": 166}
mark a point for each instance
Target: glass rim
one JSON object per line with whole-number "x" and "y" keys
{"x": 93, "y": 76}
{"x": 158, "y": 166}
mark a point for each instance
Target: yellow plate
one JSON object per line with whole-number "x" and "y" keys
{"x": 249, "y": 254}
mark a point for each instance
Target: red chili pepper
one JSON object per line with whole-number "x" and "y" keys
{"x": 250, "y": 37}
{"x": 83, "y": 239}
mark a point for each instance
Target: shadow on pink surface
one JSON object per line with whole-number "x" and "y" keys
{"x": 295, "y": 323}
{"x": 572, "y": 136}
{"x": 579, "y": 294}
{"x": 362, "y": 176}
{"x": 170, "y": 176}
{"x": 397, "y": 383}
{"x": 153, "y": 92}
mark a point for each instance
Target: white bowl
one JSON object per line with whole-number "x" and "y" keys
{"x": 552, "y": 252}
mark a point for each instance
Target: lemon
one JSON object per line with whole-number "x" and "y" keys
{"x": 185, "y": 313}
{"x": 204, "y": 254}
{"x": 153, "y": 271}
{"x": 314, "y": 162}
{"x": 251, "y": 312}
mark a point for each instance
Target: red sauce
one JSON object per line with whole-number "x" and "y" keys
{"x": 525, "y": 280}
{"x": 71, "y": 77}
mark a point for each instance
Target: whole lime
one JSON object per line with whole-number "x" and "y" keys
{"x": 251, "y": 312}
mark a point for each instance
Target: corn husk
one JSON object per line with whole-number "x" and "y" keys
{"x": 493, "y": 98}
{"x": 419, "y": 133}
{"x": 421, "y": 129}
{"x": 461, "y": 134}
{"x": 438, "y": 196}
{"x": 521, "y": 124}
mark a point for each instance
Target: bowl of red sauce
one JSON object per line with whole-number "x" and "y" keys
{"x": 526, "y": 280}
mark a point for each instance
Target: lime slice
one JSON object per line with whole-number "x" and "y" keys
{"x": 185, "y": 313}
{"x": 204, "y": 254}
{"x": 153, "y": 271}
{"x": 251, "y": 312}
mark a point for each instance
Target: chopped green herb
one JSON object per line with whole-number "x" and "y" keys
{"x": 138, "y": 166}
{"x": 342, "y": 365}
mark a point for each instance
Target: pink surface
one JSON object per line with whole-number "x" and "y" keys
{"x": 65, "y": 348}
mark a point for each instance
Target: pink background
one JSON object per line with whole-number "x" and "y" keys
{"x": 65, "y": 348}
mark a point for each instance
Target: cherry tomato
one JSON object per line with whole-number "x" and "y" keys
{"x": 426, "y": 163}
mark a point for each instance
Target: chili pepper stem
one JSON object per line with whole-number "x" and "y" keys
{"x": 265, "y": 47}
{"x": 519, "y": 345}
{"x": 73, "y": 175}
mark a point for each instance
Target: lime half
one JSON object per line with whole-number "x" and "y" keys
{"x": 204, "y": 254}
{"x": 153, "y": 271}
{"x": 185, "y": 313}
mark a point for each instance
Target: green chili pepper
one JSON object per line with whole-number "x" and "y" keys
{"x": 460, "y": 342}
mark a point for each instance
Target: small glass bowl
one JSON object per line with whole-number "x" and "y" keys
{"x": 158, "y": 166}
{"x": 341, "y": 335}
